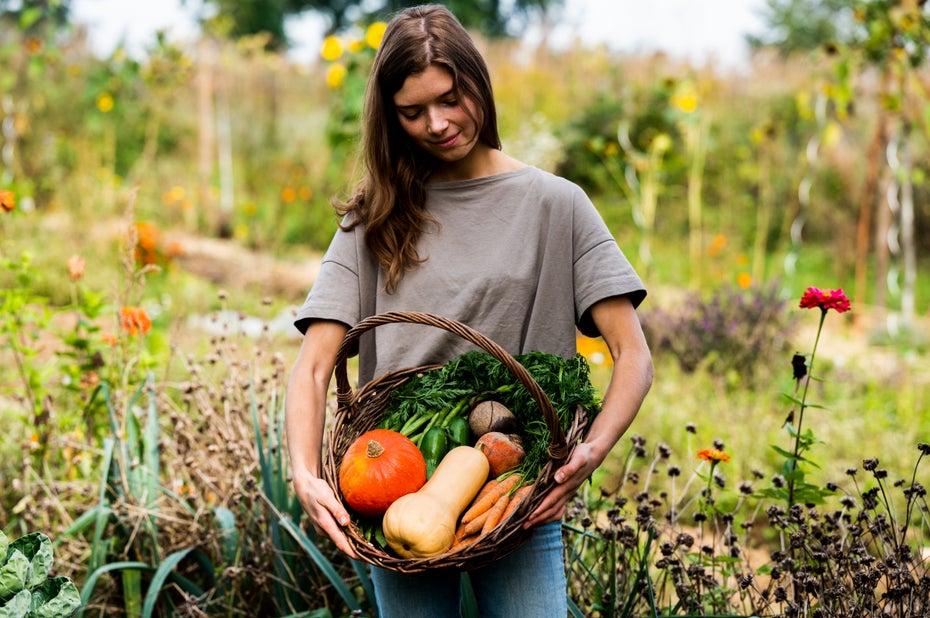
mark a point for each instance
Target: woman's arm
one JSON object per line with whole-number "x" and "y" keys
{"x": 305, "y": 415}
{"x": 629, "y": 382}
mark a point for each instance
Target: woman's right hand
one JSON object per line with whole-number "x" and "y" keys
{"x": 326, "y": 513}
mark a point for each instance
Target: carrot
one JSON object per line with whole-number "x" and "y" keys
{"x": 463, "y": 541}
{"x": 518, "y": 496}
{"x": 495, "y": 513}
{"x": 488, "y": 499}
{"x": 486, "y": 489}
{"x": 474, "y": 526}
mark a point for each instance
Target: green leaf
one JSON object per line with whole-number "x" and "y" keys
{"x": 17, "y": 606}
{"x": 85, "y": 521}
{"x": 229, "y": 535}
{"x": 783, "y": 452}
{"x": 38, "y": 550}
{"x": 4, "y": 545}
{"x": 98, "y": 549}
{"x": 13, "y": 574}
{"x": 150, "y": 458}
{"x": 158, "y": 580}
{"x": 321, "y": 562}
{"x": 469, "y": 602}
{"x": 132, "y": 592}
{"x": 91, "y": 581}
{"x": 574, "y": 610}
{"x": 56, "y": 597}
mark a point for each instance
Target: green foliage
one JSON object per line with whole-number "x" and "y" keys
{"x": 26, "y": 590}
{"x": 604, "y": 139}
{"x": 267, "y": 17}
{"x": 23, "y": 316}
{"x": 882, "y": 29}
{"x": 804, "y": 25}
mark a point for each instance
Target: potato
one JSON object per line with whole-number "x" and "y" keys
{"x": 490, "y": 416}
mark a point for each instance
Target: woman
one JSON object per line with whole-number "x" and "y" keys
{"x": 444, "y": 222}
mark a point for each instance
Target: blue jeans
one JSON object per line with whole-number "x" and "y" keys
{"x": 529, "y": 583}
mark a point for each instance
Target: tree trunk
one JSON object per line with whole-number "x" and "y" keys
{"x": 206, "y": 134}
{"x": 868, "y": 199}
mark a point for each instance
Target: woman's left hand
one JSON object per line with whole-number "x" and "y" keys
{"x": 568, "y": 478}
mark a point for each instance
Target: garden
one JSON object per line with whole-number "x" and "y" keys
{"x": 162, "y": 217}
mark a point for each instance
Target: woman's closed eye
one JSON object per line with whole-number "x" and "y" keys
{"x": 411, "y": 113}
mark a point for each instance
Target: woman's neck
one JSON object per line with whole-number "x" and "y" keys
{"x": 481, "y": 161}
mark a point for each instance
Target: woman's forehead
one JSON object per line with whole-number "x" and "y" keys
{"x": 432, "y": 83}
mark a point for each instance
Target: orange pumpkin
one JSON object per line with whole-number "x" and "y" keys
{"x": 379, "y": 467}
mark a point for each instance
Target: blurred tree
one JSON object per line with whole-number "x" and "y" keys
{"x": 804, "y": 25}
{"x": 237, "y": 18}
{"x": 878, "y": 49}
{"x": 30, "y": 15}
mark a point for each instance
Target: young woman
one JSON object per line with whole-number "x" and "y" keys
{"x": 444, "y": 222}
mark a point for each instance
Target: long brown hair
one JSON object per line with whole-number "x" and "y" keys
{"x": 391, "y": 196}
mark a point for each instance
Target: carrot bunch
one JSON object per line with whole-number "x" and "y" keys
{"x": 496, "y": 500}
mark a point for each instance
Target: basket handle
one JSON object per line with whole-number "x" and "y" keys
{"x": 558, "y": 448}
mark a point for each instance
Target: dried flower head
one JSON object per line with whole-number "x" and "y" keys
{"x": 825, "y": 300}
{"x": 799, "y": 366}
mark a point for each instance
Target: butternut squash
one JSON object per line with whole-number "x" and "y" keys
{"x": 422, "y": 524}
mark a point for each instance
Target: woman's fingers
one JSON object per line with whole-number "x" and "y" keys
{"x": 326, "y": 513}
{"x": 568, "y": 479}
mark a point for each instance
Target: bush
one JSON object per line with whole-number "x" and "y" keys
{"x": 731, "y": 333}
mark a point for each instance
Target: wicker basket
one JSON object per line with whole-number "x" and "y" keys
{"x": 361, "y": 411}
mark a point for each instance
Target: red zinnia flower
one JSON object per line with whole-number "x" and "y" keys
{"x": 825, "y": 300}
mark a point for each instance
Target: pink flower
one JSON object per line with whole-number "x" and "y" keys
{"x": 825, "y": 300}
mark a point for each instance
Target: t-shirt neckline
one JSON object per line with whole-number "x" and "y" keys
{"x": 454, "y": 184}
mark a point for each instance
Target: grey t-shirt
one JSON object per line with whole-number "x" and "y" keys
{"x": 520, "y": 256}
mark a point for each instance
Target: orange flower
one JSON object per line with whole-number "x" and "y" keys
{"x": 147, "y": 237}
{"x": 76, "y": 267}
{"x": 134, "y": 320}
{"x": 713, "y": 455}
{"x": 110, "y": 339}
{"x": 7, "y": 201}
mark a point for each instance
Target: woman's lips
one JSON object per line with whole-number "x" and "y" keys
{"x": 447, "y": 143}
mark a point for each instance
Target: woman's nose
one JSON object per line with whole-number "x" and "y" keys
{"x": 436, "y": 122}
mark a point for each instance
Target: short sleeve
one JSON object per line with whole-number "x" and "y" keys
{"x": 600, "y": 269}
{"x": 335, "y": 293}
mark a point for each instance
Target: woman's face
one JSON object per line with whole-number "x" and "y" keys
{"x": 435, "y": 118}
